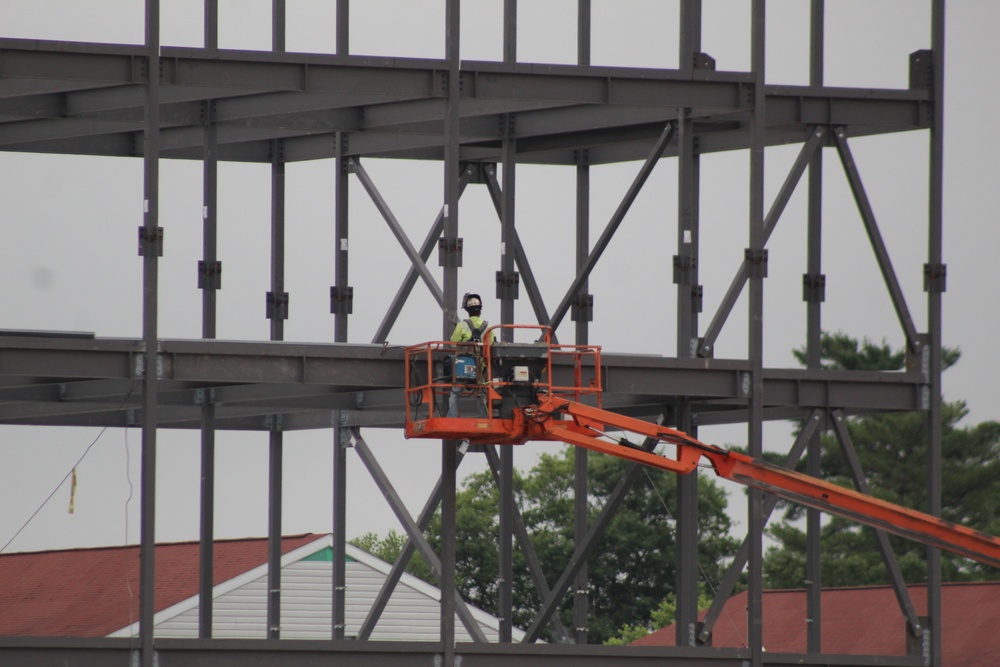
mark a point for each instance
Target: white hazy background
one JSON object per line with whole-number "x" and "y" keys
{"x": 68, "y": 256}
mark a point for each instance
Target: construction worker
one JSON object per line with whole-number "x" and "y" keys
{"x": 469, "y": 330}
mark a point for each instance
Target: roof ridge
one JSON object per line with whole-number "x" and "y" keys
{"x": 864, "y": 587}
{"x": 113, "y": 547}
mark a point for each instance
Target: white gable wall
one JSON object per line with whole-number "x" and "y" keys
{"x": 240, "y": 605}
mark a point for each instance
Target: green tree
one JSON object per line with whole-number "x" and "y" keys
{"x": 631, "y": 569}
{"x": 892, "y": 449}
{"x": 659, "y": 618}
{"x": 388, "y": 549}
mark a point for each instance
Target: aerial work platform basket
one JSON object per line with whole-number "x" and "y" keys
{"x": 477, "y": 391}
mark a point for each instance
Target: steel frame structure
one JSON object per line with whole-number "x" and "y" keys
{"x": 276, "y": 107}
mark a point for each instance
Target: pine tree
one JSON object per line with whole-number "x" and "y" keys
{"x": 892, "y": 449}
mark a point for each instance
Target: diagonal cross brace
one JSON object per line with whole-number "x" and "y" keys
{"x": 399, "y": 567}
{"x": 579, "y": 558}
{"x": 616, "y": 219}
{"x": 875, "y": 237}
{"x": 732, "y": 575}
{"x": 355, "y": 166}
{"x": 770, "y": 222}
{"x": 430, "y": 242}
{"x": 534, "y": 565}
{"x": 881, "y": 539}
{"x": 396, "y": 503}
{"x": 530, "y": 284}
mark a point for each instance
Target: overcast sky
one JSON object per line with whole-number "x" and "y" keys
{"x": 68, "y": 258}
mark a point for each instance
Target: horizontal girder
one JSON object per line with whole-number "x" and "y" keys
{"x": 49, "y": 380}
{"x": 72, "y": 98}
{"x": 295, "y": 653}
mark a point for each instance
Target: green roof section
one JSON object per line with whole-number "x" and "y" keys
{"x": 326, "y": 556}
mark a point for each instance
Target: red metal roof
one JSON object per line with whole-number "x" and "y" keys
{"x": 93, "y": 592}
{"x": 865, "y": 621}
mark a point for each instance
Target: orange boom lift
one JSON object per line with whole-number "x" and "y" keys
{"x": 507, "y": 394}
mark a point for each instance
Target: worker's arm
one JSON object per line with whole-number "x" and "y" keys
{"x": 461, "y": 333}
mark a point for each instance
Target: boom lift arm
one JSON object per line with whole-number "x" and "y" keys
{"x": 522, "y": 403}
{"x": 788, "y": 484}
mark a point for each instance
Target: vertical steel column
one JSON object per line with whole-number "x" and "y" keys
{"x": 686, "y": 277}
{"x": 207, "y": 533}
{"x": 935, "y": 285}
{"x": 275, "y": 446}
{"x": 278, "y": 300}
{"x": 506, "y": 291}
{"x": 209, "y": 277}
{"x": 813, "y": 294}
{"x": 341, "y": 436}
{"x": 209, "y": 274}
{"x": 510, "y": 31}
{"x": 449, "y": 448}
{"x": 405, "y": 555}
{"x": 275, "y": 436}
{"x": 757, "y": 266}
{"x": 211, "y": 25}
{"x": 725, "y": 588}
{"x": 686, "y": 261}
{"x": 343, "y": 27}
{"x": 450, "y": 245}
{"x": 550, "y": 604}
{"x": 150, "y": 247}
{"x": 582, "y": 314}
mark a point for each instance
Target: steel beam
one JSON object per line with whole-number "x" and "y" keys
{"x": 893, "y": 571}
{"x": 426, "y": 248}
{"x": 935, "y": 293}
{"x": 450, "y": 258}
{"x": 520, "y": 256}
{"x": 416, "y": 260}
{"x": 341, "y": 304}
{"x": 507, "y": 292}
{"x": 809, "y": 150}
{"x": 151, "y": 247}
{"x": 210, "y": 280}
{"x": 342, "y": 292}
{"x": 735, "y": 569}
{"x": 616, "y": 219}
{"x": 399, "y": 567}
{"x": 814, "y": 286}
{"x": 686, "y": 276}
{"x": 278, "y": 306}
{"x": 304, "y": 653}
{"x": 413, "y": 531}
{"x": 530, "y": 555}
{"x": 262, "y": 97}
{"x": 550, "y": 604}
{"x": 875, "y": 237}
{"x": 582, "y": 314}
{"x": 755, "y": 335}
{"x": 50, "y": 380}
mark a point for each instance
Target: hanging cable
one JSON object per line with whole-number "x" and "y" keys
{"x": 68, "y": 474}
{"x": 704, "y": 574}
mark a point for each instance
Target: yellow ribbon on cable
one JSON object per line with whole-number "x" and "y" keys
{"x": 72, "y": 492}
